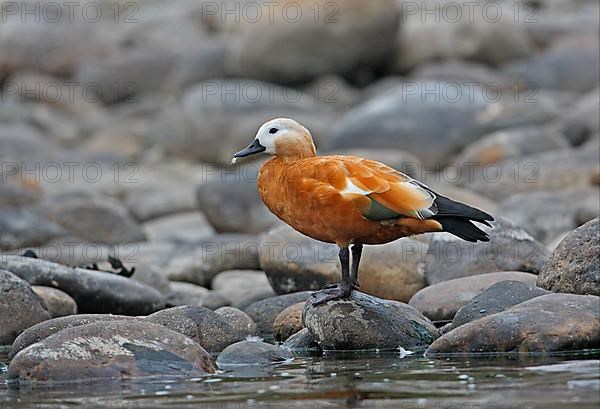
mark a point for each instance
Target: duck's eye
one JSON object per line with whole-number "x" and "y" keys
{"x": 273, "y": 130}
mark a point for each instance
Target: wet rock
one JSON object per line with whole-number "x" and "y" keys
{"x": 549, "y": 323}
{"x": 199, "y": 323}
{"x": 26, "y": 228}
{"x": 183, "y": 227}
{"x": 367, "y": 322}
{"x": 574, "y": 267}
{"x": 366, "y": 32}
{"x": 294, "y": 262}
{"x": 548, "y": 215}
{"x": 288, "y": 322}
{"x": 439, "y": 302}
{"x": 496, "y": 298}
{"x": 58, "y": 303}
{"x": 192, "y": 294}
{"x": 93, "y": 291}
{"x": 510, "y": 249}
{"x": 399, "y": 118}
{"x": 232, "y": 203}
{"x": 264, "y": 312}
{"x": 20, "y": 307}
{"x": 97, "y": 220}
{"x": 302, "y": 341}
{"x": 199, "y": 262}
{"x": 242, "y": 287}
{"x": 116, "y": 349}
{"x": 546, "y": 171}
{"x": 510, "y": 144}
{"x": 44, "y": 329}
{"x": 238, "y": 320}
{"x": 252, "y": 353}
{"x": 570, "y": 64}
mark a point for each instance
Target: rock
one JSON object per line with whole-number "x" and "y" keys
{"x": 510, "y": 249}
{"x": 183, "y": 227}
{"x": 16, "y": 194}
{"x": 366, "y": 322}
{"x": 461, "y": 71}
{"x": 151, "y": 202}
{"x": 242, "y": 287}
{"x": 208, "y": 108}
{"x": 116, "y": 349}
{"x": 569, "y": 64}
{"x": 399, "y": 118}
{"x": 20, "y": 307}
{"x": 264, "y": 312}
{"x": 365, "y": 32}
{"x": 199, "y": 323}
{"x": 199, "y": 262}
{"x": 497, "y": 298}
{"x": 574, "y": 267}
{"x": 511, "y": 144}
{"x": 93, "y": 291}
{"x": 288, "y": 322}
{"x": 294, "y": 262}
{"x": 44, "y": 329}
{"x": 393, "y": 271}
{"x": 439, "y": 302}
{"x": 546, "y": 171}
{"x": 58, "y": 303}
{"x": 232, "y": 204}
{"x": 548, "y": 215}
{"x": 150, "y": 276}
{"x": 465, "y": 34}
{"x": 192, "y": 294}
{"x": 252, "y": 353}
{"x": 302, "y": 341}
{"x": 398, "y": 159}
{"x": 26, "y": 228}
{"x": 238, "y": 320}
{"x": 580, "y": 123}
{"x": 98, "y": 220}
{"x": 549, "y": 323}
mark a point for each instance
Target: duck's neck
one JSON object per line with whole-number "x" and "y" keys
{"x": 296, "y": 150}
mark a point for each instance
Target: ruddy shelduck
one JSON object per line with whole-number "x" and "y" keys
{"x": 349, "y": 201}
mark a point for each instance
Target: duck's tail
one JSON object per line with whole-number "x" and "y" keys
{"x": 457, "y": 218}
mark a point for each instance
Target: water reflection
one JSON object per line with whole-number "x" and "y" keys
{"x": 344, "y": 380}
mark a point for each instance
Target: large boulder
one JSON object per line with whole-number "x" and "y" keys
{"x": 20, "y": 307}
{"x": 574, "y": 267}
{"x": 115, "y": 349}
{"x": 510, "y": 249}
{"x": 204, "y": 326}
{"x": 550, "y": 323}
{"x": 94, "y": 291}
{"x": 364, "y": 322}
{"x": 497, "y": 298}
{"x": 441, "y": 301}
{"x": 44, "y": 329}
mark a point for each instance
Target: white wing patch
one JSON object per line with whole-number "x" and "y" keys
{"x": 352, "y": 188}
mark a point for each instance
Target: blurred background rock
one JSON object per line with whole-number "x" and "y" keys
{"x": 118, "y": 121}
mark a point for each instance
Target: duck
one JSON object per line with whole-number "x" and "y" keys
{"x": 348, "y": 200}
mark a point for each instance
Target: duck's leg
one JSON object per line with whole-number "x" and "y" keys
{"x": 356, "y": 253}
{"x": 342, "y": 289}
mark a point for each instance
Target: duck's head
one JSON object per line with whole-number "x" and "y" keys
{"x": 281, "y": 137}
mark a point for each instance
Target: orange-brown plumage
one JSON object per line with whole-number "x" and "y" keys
{"x": 349, "y": 200}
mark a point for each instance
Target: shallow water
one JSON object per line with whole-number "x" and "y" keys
{"x": 344, "y": 380}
